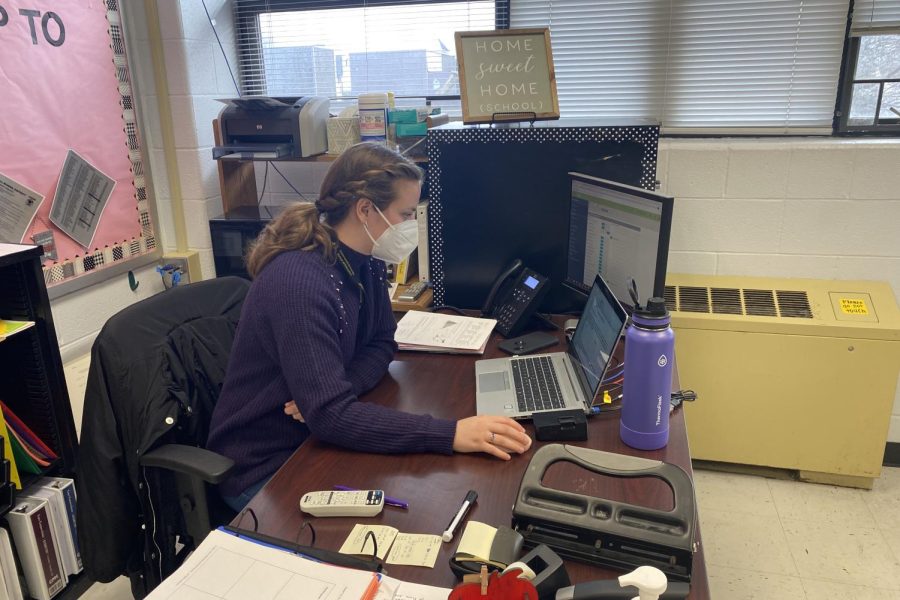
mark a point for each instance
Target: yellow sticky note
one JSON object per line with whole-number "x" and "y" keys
{"x": 356, "y": 542}
{"x": 854, "y": 306}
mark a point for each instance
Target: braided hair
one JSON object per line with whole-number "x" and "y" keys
{"x": 366, "y": 170}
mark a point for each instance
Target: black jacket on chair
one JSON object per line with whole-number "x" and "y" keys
{"x": 156, "y": 371}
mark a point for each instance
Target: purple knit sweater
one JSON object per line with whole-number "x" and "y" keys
{"x": 305, "y": 336}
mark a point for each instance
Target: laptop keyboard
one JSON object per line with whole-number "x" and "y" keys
{"x": 536, "y": 385}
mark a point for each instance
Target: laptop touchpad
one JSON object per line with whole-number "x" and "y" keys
{"x": 493, "y": 382}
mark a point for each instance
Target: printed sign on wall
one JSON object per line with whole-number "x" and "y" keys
{"x": 506, "y": 75}
{"x": 62, "y": 94}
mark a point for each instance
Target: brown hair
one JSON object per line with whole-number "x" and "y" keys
{"x": 365, "y": 170}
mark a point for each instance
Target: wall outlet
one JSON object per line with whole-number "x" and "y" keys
{"x": 189, "y": 262}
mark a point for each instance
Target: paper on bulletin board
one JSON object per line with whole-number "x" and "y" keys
{"x": 81, "y": 196}
{"x": 18, "y": 205}
{"x": 60, "y": 91}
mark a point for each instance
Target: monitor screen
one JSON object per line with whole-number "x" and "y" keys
{"x": 619, "y": 232}
{"x": 597, "y": 333}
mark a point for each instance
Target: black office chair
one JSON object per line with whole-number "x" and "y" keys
{"x": 157, "y": 368}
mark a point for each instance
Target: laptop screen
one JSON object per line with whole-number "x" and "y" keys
{"x": 597, "y": 333}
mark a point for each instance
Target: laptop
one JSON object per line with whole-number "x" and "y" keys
{"x": 518, "y": 387}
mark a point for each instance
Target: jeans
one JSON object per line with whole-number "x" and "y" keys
{"x": 237, "y": 503}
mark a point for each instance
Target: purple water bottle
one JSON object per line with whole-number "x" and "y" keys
{"x": 647, "y": 389}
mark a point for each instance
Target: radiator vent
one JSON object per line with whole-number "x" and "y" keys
{"x": 794, "y": 304}
{"x": 760, "y": 303}
{"x": 692, "y": 299}
{"x": 734, "y": 301}
{"x": 726, "y": 301}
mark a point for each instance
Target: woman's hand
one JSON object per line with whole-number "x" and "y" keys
{"x": 495, "y": 435}
{"x": 290, "y": 409}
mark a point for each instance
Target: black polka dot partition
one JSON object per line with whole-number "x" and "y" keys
{"x": 502, "y": 192}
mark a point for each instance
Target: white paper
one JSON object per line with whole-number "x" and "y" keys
{"x": 394, "y": 589}
{"x": 18, "y": 206}
{"x": 432, "y": 330}
{"x": 226, "y": 567}
{"x": 415, "y": 549}
{"x": 81, "y": 196}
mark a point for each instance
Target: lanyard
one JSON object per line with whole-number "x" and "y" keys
{"x": 345, "y": 264}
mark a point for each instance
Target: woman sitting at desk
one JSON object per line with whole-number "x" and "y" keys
{"x": 317, "y": 330}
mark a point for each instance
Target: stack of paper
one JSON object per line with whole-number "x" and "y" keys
{"x": 8, "y": 328}
{"x": 433, "y": 332}
{"x": 29, "y": 452}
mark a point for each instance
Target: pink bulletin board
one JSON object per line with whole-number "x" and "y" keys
{"x": 66, "y": 85}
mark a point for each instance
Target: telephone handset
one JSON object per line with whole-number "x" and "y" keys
{"x": 514, "y": 297}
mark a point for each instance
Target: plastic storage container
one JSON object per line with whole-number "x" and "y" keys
{"x": 373, "y": 122}
{"x": 647, "y": 389}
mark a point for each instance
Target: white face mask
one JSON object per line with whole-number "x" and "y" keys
{"x": 397, "y": 242}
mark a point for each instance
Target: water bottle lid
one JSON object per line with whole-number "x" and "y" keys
{"x": 654, "y": 309}
{"x": 652, "y": 314}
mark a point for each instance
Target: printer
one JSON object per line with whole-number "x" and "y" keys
{"x": 265, "y": 128}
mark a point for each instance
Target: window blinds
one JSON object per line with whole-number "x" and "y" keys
{"x": 345, "y": 48}
{"x": 876, "y": 16}
{"x": 763, "y": 65}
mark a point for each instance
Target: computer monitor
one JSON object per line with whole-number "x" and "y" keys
{"x": 620, "y": 232}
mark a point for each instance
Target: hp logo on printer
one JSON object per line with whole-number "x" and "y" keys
{"x": 663, "y": 361}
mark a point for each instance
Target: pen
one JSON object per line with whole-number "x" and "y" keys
{"x": 387, "y": 499}
{"x": 460, "y": 515}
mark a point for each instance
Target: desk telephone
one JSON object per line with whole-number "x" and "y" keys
{"x": 515, "y": 297}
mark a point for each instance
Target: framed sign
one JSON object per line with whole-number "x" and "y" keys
{"x": 506, "y": 75}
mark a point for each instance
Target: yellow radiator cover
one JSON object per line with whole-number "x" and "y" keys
{"x": 791, "y": 373}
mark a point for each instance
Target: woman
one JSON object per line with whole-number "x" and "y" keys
{"x": 317, "y": 328}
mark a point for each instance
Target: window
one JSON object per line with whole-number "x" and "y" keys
{"x": 870, "y": 97}
{"x": 341, "y": 49}
{"x": 696, "y": 65}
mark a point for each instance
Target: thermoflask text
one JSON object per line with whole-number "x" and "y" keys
{"x": 647, "y": 389}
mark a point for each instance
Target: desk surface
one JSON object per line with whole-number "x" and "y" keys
{"x": 434, "y": 485}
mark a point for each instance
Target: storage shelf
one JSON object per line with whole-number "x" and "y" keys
{"x": 32, "y": 383}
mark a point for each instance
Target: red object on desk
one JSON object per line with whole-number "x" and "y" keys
{"x": 499, "y": 587}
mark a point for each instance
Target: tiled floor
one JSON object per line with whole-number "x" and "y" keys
{"x": 770, "y": 539}
{"x": 766, "y": 539}
{"x": 774, "y": 539}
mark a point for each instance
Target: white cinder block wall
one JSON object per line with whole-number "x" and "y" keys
{"x": 197, "y": 75}
{"x": 792, "y": 207}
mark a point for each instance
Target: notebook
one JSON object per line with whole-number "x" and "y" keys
{"x": 518, "y": 387}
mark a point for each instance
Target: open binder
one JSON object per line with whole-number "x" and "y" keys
{"x": 235, "y": 563}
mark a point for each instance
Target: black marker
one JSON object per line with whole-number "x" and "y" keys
{"x": 460, "y": 515}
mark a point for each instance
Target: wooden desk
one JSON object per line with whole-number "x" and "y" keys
{"x": 434, "y": 485}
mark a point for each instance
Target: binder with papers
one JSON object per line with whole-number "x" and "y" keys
{"x": 9, "y": 576}
{"x": 59, "y": 521}
{"x": 37, "y": 548}
{"x": 433, "y": 332}
{"x": 63, "y": 490}
{"x": 228, "y": 566}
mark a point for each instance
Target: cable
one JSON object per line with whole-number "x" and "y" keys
{"x": 265, "y": 179}
{"x": 287, "y": 181}
{"x": 222, "y": 48}
{"x": 683, "y": 396}
{"x": 448, "y": 307}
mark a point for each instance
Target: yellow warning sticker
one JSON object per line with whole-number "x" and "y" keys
{"x": 853, "y": 306}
